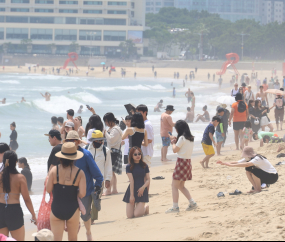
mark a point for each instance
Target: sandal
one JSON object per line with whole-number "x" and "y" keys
{"x": 237, "y": 192}
{"x": 158, "y": 178}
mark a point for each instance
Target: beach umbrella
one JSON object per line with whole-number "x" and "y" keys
{"x": 130, "y": 107}
{"x": 275, "y": 92}
{"x": 103, "y": 63}
{"x": 226, "y": 100}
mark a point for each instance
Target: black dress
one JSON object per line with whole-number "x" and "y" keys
{"x": 13, "y": 140}
{"x": 139, "y": 174}
{"x": 136, "y": 139}
{"x": 29, "y": 177}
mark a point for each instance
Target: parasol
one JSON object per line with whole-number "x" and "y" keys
{"x": 275, "y": 92}
{"x": 130, "y": 108}
{"x": 226, "y": 100}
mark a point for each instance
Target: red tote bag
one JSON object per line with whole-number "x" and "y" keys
{"x": 44, "y": 212}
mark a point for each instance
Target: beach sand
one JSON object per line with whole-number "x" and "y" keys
{"x": 243, "y": 217}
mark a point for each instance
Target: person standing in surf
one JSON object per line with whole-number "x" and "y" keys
{"x": 47, "y": 96}
{"x": 13, "y": 137}
{"x": 188, "y": 95}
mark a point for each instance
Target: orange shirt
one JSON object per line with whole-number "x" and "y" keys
{"x": 239, "y": 117}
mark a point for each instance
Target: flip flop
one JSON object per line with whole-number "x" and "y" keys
{"x": 237, "y": 192}
{"x": 158, "y": 178}
{"x": 220, "y": 194}
{"x": 279, "y": 163}
{"x": 281, "y": 155}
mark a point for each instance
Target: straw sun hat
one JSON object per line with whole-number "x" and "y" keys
{"x": 70, "y": 152}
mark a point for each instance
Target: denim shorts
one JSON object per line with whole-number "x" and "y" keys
{"x": 165, "y": 141}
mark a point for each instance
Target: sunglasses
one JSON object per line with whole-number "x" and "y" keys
{"x": 138, "y": 154}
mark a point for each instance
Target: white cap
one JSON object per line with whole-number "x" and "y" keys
{"x": 44, "y": 235}
{"x": 69, "y": 124}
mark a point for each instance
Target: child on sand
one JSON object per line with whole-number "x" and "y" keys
{"x": 246, "y": 132}
{"x": 208, "y": 141}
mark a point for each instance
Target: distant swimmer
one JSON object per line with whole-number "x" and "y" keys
{"x": 23, "y": 100}
{"x": 47, "y": 96}
{"x": 3, "y": 101}
{"x": 188, "y": 95}
{"x": 159, "y": 106}
{"x": 189, "y": 115}
{"x": 80, "y": 109}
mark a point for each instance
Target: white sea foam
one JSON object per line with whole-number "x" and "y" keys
{"x": 86, "y": 97}
{"x": 105, "y": 89}
{"x": 57, "y": 104}
{"x": 10, "y": 82}
{"x": 156, "y": 87}
{"x": 36, "y": 199}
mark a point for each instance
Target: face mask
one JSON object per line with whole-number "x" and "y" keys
{"x": 96, "y": 145}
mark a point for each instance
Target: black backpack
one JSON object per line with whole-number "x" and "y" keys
{"x": 241, "y": 107}
{"x": 104, "y": 150}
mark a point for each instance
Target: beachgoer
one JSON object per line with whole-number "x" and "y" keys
{"x": 264, "y": 120}
{"x": 189, "y": 115}
{"x": 263, "y": 96}
{"x": 208, "y": 141}
{"x": 188, "y": 95}
{"x": 102, "y": 156}
{"x": 225, "y": 121}
{"x": 60, "y": 121}
{"x": 261, "y": 135}
{"x": 166, "y": 126}
{"x": 3, "y": 148}
{"x": 204, "y": 117}
{"x": 279, "y": 104}
{"x": 173, "y": 92}
{"x": 193, "y": 102}
{"x": 3, "y": 101}
{"x": 220, "y": 132}
{"x": 55, "y": 142}
{"x": 92, "y": 172}
{"x": 47, "y": 96}
{"x": 214, "y": 77}
{"x": 220, "y": 81}
{"x": 66, "y": 190}
{"x": 75, "y": 121}
{"x": 196, "y": 69}
{"x": 258, "y": 169}
{"x": 80, "y": 109}
{"x": 265, "y": 85}
{"x": 23, "y": 100}
{"x": 136, "y": 133}
{"x": 248, "y": 95}
{"x": 147, "y": 150}
{"x": 177, "y": 75}
{"x": 155, "y": 74}
{"x": 114, "y": 140}
{"x": 241, "y": 91}
{"x": 136, "y": 195}
{"x": 174, "y": 75}
{"x": 12, "y": 185}
{"x": 135, "y": 75}
{"x": 239, "y": 114}
{"x": 54, "y": 123}
{"x": 13, "y": 137}
{"x": 125, "y": 142}
{"x": 26, "y": 171}
{"x": 235, "y": 90}
{"x": 183, "y": 145}
{"x": 158, "y": 106}
{"x": 95, "y": 123}
{"x": 247, "y": 133}
{"x": 209, "y": 76}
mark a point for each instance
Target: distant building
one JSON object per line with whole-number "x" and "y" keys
{"x": 263, "y": 11}
{"x": 98, "y": 27}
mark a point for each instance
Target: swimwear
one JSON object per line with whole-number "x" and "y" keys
{"x": 136, "y": 139}
{"x": 65, "y": 201}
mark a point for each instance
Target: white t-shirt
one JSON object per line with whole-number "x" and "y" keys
{"x": 249, "y": 95}
{"x": 262, "y": 164}
{"x": 127, "y": 146}
{"x": 89, "y": 135}
{"x": 1, "y": 167}
{"x": 186, "y": 148}
{"x": 148, "y": 150}
{"x": 234, "y": 92}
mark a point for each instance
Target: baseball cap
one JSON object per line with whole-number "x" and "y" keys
{"x": 69, "y": 124}
{"x": 53, "y": 133}
{"x": 44, "y": 235}
{"x": 97, "y": 135}
{"x": 70, "y": 112}
{"x": 221, "y": 110}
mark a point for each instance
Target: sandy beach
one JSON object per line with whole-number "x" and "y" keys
{"x": 243, "y": 217}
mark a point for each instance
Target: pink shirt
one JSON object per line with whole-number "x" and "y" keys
{"x": 166, "y": 125}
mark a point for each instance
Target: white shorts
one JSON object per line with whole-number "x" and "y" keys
{"x": 147, "y": 160}
{"x": 264, "y": 121}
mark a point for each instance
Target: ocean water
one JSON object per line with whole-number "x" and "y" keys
{"x": 104, "y": 95}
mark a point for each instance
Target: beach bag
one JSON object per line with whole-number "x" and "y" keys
{"x": 44, "y": 212}
{"x": 241, "y": 107}
{"x": 279, "y": 103}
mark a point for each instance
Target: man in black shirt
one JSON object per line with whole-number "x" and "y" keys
{"x": 55, "y": 141}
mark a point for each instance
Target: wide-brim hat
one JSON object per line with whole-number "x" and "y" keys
{"x": 170, "y": 108}
{"x": 72, "y": 135}
{"x": 69, "y": 152}
{"x": 248, "y": 152}
{"x": 97, "y": 135}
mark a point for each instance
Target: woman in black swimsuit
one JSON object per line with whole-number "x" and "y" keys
{"x": 12, "y": 185}
{"x": 13, "y": 137}
{"x": 66, "y": 182}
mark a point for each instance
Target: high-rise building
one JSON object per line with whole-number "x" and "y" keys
{"x": 98, "y": 27}
{"x": 263, "y": 11}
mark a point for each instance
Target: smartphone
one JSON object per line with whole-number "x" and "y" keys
{"x": 170, "y": 133}
{"x": 88, "y": 106}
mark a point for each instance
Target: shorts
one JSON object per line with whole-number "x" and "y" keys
{"x": 265, "y": 178}
{"x": 279, "y": 115}
{"x": 183, "y": 170}
{"x": 165, "y": 141}
{"x": 147, "y": 160}
{"x": 208, "y": 149}
{"x": 12, "y": 216}
{"x": 238, "y": 125}
{"x": 219, "y": 137}
{"x": 126, "y": 159}
{"x": 264, "y": 121}
{"x": 87, "y": 203}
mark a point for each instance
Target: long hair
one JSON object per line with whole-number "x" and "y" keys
{"x": 110, "y": 117}
{"x": 10, "y": 159}
{"x": 183, "y": 130}
{"x": 131, "y": 160}
{"x": 250, "y": 103}
{"x": 256, "y": 104}
{"x": 66, "y": 163}
{"x": 95, "y": 122}
{"x": 137, "y": 121}
{"x": 24, "y": 161}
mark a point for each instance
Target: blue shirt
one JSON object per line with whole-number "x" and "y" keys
{"x": 91, "y": 171}
{"x": 206, "y": 138}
